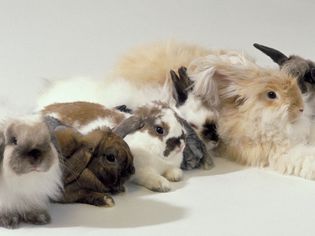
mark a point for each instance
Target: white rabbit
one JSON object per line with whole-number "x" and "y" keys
{"x": 30, "y": 172}
{"x": 157, "y": 147}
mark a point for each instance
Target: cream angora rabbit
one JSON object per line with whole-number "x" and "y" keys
{"x": 263, "y": 120}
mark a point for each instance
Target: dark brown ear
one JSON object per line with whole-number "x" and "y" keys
{"x": 313, "y": 73}
{"x": 277, "y": 56}
{"x": 181, "y": 85}
{"x": 2, "y": 145}
{"x": 95, "y": 137}
{"x": 129, "y": 125}
{"x": 69, "y": 139}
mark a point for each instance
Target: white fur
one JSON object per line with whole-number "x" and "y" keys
{"x": 100, "y": 122}
{"x": 76, "y": 89}
{"x": 21, "y": 193}
{"x": 111, "y": 92}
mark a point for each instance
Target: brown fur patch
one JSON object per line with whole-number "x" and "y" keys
{"x": 82, "y": 112}
{"x": 149, "y": 115}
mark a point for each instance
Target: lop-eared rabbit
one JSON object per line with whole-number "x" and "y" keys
{"x": 30, "y": 171}
{"x": 157, "y": 147}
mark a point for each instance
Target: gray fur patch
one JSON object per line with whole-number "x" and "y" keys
{"x": 195, "y": 152}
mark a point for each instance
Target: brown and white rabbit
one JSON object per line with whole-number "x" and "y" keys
{"x": 263, "y": 119}
{"x": 30, "y": 172}
{"x": 157, "y": 147}
{"x": 95, "y": 164}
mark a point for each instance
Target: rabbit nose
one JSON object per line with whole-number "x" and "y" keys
{"x": 35, "y": 153}
{"x": 301, "y": 109}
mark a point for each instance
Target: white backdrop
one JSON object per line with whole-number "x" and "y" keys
{"x": 41, "y": 39}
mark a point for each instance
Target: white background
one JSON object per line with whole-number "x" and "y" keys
{"x": 58, "y": 39}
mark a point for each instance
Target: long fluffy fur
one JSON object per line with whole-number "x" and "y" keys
{"x": 150, "y": 64}
{"x": 256, "y": 132}
{"x": 24, "y": 193}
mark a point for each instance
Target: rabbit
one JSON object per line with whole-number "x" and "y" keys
{"x": 97, "y": 163}
{"x": 30, "y": 173}
{"x": 263, "y": 118}
{"x": 157, "y": 147}
{"x": 143, "y": 75}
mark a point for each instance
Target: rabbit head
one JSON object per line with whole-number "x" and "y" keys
{"x": 105, "y": 153}
{"x": 302, "y": 69}
{"x": 267, "y": 95}
{"x": 192, "y": 108}
{"x": 112, "y": 161}
{"x": 162, "y": 132}
{"x": 28, "y": 146}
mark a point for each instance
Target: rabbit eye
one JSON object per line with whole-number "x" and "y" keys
{"x": 159, "y": 129}
{"x": 13, "y": 141}
{"x": 110, "y": 157}
{"x": 272, "y": 95}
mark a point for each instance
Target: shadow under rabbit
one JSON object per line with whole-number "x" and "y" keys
{"x": 221, "y": 166}
{"x": 132, "y": 208}
{"x": 129, "y": 212}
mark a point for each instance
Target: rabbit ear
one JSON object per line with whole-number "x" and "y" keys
{"x": 277, "y": 56}
{"x": 124, "y": 108}
{"x": 181, "y": 85}
{"x": 129, "y": 125}
{"x": 52, "y": 123}
{"x": 233, "y": 81}
{"x": 2, "y": 144}
{"x": 68, "y": 138}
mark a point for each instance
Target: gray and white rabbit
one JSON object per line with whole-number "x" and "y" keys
{"x": 30, "y": 173}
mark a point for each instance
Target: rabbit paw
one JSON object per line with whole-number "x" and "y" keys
{"x": 109, "y": 201}
{"x": 160, "y": 185}
{"x": 174, "y": 175}
{"x": 308, "y": 170}
{"x": 37, "y": 217}
{"x": 102, "y": 200}
{"x": 9, "y": 221}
